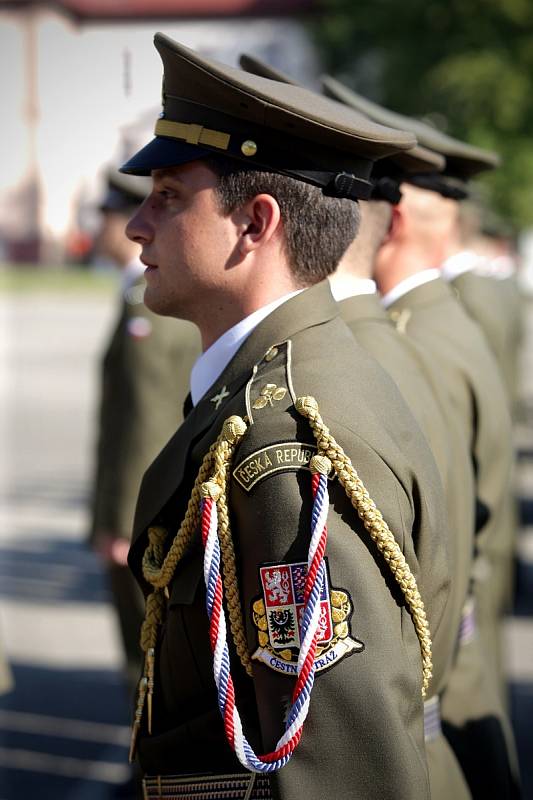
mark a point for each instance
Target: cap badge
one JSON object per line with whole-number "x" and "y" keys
{"x": 249, "y": 148}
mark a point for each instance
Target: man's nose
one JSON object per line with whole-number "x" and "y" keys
{"x": 138, "y": 228}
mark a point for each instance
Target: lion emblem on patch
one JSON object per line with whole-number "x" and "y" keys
{"x": 277, "y": 615}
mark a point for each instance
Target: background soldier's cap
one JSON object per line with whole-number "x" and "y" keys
{"x": 123, "y": 192}
{"x": 212, "y": 109}
{"x": 388, "y": 172}
{"x": 463, "y": 161}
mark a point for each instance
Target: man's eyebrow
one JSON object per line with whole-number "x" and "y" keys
{"x": 165, "y": 174}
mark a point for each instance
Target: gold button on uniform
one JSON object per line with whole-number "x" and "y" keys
{"x": 272, "y": 353}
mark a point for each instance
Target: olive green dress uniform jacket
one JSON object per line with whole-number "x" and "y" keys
{"x": 144, "y": 382}
{"x": 364, "y": 733}
{"x": 418, "y": 383}
{"x": 495, "y": 305}
{"x": 432, "y": 316}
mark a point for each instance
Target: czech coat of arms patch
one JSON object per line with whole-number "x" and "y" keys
{"x": 277, "y": 615}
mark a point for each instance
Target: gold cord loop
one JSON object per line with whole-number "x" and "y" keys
{"x": 158, "y": 569}
{"x": 376, "y": 526}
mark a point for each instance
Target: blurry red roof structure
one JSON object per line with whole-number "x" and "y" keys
{"x": 120, "y": 9}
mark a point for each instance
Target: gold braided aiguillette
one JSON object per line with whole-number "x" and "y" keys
{"x": 159, "y": 569}
{"x": 375, "y": 525}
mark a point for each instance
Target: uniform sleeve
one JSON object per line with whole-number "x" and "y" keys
{"x": 363, "y": 736}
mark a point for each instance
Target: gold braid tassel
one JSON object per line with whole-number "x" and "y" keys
{"x": 158, "y": 570}
{"x": 376, "y": 526}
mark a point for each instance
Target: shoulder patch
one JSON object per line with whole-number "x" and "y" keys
{"x": 277, "y": 616}
{"x": 270, "y": 386}
{"x": 280, "y": 457}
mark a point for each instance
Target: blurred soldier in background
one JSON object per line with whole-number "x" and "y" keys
{"x": 482, "y": 267}
{"x": 145, "y": 380}
{"x": 425, "y": 309}
{"x": 484, "y": 276}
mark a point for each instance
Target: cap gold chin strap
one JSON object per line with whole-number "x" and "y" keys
{"x": 192, "y": 134}
{"x": 159, "y": 569}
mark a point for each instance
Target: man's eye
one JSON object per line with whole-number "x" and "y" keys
{"x": 166, "y": 193}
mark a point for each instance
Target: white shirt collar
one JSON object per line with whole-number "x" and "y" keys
{"x": 500, "y": 267}
{"x": 342, "y": 288}
{"x": 215, "y": 359}
{"x": 418, "y": 279}
{"x": 464, "y": 261}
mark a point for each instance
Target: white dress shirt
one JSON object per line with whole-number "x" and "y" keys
{"x": 459, "y": 263}
{"x": 341, "y": 288}
{"x": 215, "y": 359}
{"x": 418, "y": 279}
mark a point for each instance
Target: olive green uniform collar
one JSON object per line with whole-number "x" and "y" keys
{"x": 434, "y": 291}
{"x": 363, "y": 307}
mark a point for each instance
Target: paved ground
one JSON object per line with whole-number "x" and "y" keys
{"x": 64, "y": 729}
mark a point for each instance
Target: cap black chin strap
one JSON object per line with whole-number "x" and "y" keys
{"x": 343, "y": 185}
{"x": 386, "y": 189}
{"x": 434, "y": 182}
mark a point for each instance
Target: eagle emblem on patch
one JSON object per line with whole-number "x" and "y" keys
{"x": 278, "y": 613}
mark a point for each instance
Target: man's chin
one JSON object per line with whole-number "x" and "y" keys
{"x": 160, "y": 304}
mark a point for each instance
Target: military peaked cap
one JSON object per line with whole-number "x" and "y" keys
{"x": 123, "y": 193}
{"x": 463, "y": 161}
{"x": 212, "y": 109}
{"x": 389, "y": 171}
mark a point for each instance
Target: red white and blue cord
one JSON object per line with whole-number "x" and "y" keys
{"x": 315, "y": 580}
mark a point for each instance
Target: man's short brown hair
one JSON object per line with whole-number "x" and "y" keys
{"x": 318, "y": 229}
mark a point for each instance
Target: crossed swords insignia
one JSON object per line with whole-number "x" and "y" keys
{"x": 218, "y": 398}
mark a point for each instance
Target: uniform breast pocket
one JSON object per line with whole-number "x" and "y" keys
{"x": 186, "y": 665}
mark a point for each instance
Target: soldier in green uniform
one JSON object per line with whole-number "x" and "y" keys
{"x": 424, "y": 390}
{"x": 252, "y": 206}
{"x": 425, "y": 309}
{"x": 486, "y": 285}
{"x": 482, "y": 270}
{"x": 144, "y": 382}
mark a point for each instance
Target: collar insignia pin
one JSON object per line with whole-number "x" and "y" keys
{"x": 218, "y": 398}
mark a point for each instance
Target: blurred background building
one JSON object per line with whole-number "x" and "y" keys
{"x": 76, "y": 74}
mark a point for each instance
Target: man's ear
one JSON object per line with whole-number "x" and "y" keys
{"x": 259, "y": 223}
{"x": 397, "y": 224}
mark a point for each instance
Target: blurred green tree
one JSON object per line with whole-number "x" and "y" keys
{"x": 465, "y": 65}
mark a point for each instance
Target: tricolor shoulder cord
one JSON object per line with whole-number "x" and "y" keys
{"x": 316, "y": 576}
